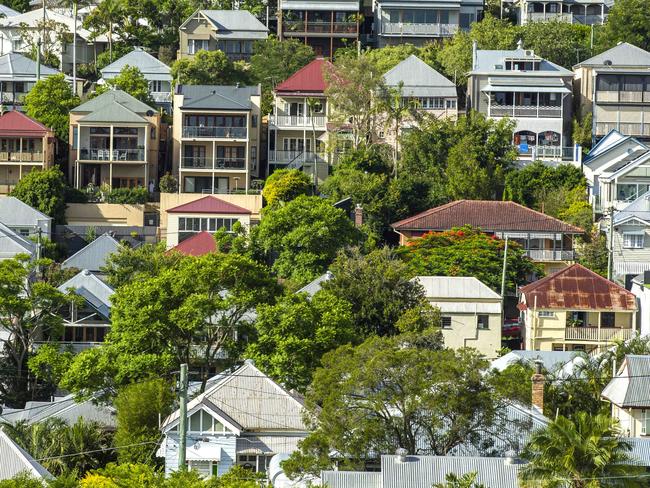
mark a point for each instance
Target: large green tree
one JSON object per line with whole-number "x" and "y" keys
{"x": 50, "y": 102}
{"x": 131, "y": 264}
{"x": 132, "y": 81}
{"x": 303, "y": 237}
{"x": 628, "y": 21}
{"x": 207, "y": 68}
{"x": 45, "y": 191}
{"x": 585, "y": 452}
{"x": 284, "y": 185}
{"x": 294, "y": 333}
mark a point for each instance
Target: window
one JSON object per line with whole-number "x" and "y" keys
{"x": 202, "y": 421}
{"x": 645, "y": 421}
{"x": 254, "y": 121}
{"x": 195, "y": 45}
{"x": 190, "y": 225}
{"x": 75, "y": 137}
{"x": 445, "y": 322}
{"x": 633, "y": 240}
{"x": 204, "y": 468}
{"x": 546, "y": 313}
{"x": 153, "y": 133}
{"x": 483, "y": 322}
{"x": 607, "y": 319}
{"x": 155, "y": 86}
{"x": 451, "y": 104}
{"x": 254, "y": 155}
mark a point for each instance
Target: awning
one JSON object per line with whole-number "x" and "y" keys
{"x": 526, "y": 89}
{"x": 203, "y": 451}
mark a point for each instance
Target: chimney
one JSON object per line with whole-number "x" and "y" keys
{"x": 538, "y": 387}
{"x": 358, "y": 216}
{"x": 474, "y": 54}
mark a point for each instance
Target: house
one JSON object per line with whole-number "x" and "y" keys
{"x": 243, "y": 418}
{"x": 316, "y": 285}
{"x": 234, "y": 32}
{"x": 615, "y": 170}
{"x": 423, "y": 88}
{"x": 324, "y": 26}
{"x": 15, "y": 461}
{"x": 422, "y": 21}
{"x": 94, "y": 255}
{"x": 640, "y": 287}
{"x": 88, "y": 45}
{"x": 576, "y": 309}
{"x": 585, "y": 12}
{"x": 470, "y": 312}
{"x": 628, "y": 391}
{"x": 12, "y": 244}
{"x": 561, "y": 362}
{"x": 25, "y": 145}
{"x": 23, "y": 219}
{"x": 424, "y": 471}
{"x": 613, "y": 86}
{"x": 535, "y": 93}
{"x": 217, "y": 136}
{"x": 198, "y": 244}
{"x": 545, "y": 239}
{"x": 86, "y": 323}
{"x": 298, "y": 126}
{"x": 18, "y": 75}
{"x": 114, "y": 141}
{"x": 7, "y": 12}
{"x": 157, "y": 73}
{"x": 205, "y": 214}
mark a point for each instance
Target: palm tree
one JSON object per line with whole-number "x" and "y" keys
{"x": 465, "y": 481}
{"x": 586, "y": 452}
{"x": 103, "y": 19}
{"x": 313, "y": 104}
{"x": 395, "y": 108}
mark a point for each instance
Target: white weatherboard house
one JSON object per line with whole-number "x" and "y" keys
{"x": 15, "y": 460}
{"x": 243, "y": 418}
{"x": 471, "y": 312}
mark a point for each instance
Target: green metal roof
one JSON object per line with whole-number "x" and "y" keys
{"x": 114, "y": 96}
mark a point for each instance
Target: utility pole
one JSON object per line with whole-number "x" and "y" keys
{"x": 610, "y": 253}
{"x": 182, "y": 425}
{"x": 38, "y": 249}
{"x": 74, "y": 48}
{"x": 38, "y": 59}
{"x": 503, "y": 283}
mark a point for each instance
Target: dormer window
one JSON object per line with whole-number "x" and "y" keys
{"x": 202, "y": 422}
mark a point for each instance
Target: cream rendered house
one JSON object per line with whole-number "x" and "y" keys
{"x": 576, "y": 309}
{"x": 471, "y": 312}
{"x": 628, "y": 394}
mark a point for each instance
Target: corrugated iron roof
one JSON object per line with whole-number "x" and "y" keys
{"x": 16, "y": 460}
{"x": 94, "y": 255}
{"x": 488, "y": 215}
{"x": 197, "y": 245}
{"x": 631, "y": 386}
{"x": 209, "y": 205}
{"x": 577, "y": 288}
{"x": 308, "y": 79}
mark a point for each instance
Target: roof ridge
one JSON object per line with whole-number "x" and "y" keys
{"x": 430, "y": 211}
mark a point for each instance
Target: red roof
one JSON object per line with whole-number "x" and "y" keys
{"x": 578, "y": 288}
{"x": 209, "y": 205}
{"x": 197, "y": 245}
{"x": 488, "y": 215}
{"x": 308, "y": 79}
{"x": 16, "y": 123}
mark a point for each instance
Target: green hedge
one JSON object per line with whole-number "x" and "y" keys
{"x": 128, "y": 195}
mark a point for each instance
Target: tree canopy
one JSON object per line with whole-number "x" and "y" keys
{"x": 45, "y": 190}
{"x": 284, "y": 185}
{"x": 627, "y": 21}
{"x": 132, "y": 81}
{"x": 207, "y": 68}
{"x": 50, "y": 102}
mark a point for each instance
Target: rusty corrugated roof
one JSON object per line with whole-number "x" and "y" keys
{"x": 488, "y": 215}
{"x": 578, "y": 288}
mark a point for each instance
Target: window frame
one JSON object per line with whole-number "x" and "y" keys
{"x": 445, "y": 322}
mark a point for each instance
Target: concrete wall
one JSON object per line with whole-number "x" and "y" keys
{"x": 464, "y": 333}
{"x": 98, "y": 214}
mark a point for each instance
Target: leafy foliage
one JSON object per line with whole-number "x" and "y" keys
{"x": 593, "y": 253}
{"x": 129, "y": 265}
{"x": 132, "y": 81}
{"x": 168, "y": 184}
{"x": 627, "y": 21}
{"x": 465, "y": 481}
{"x": 284, "y": 185}
{"x": 207, "y": 68}
{"x": 50, "y": 102}
{"x": 44, "y": 190}
{"x": 136, "y": 195}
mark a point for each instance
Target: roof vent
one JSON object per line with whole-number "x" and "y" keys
{"x": 607, "y": 62}
{"x": 401, "y": 455}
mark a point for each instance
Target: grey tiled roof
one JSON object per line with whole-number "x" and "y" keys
{"x": 151, "y": 68}
{"x": 93, "y": 256}
{"x": 315, "y": 286}
{"x": 14, "y": 460}
{"x": 487, "y": 60}
{"x": 419, "y": 79}
{"x": 236, "y": 24}
{"x": 7, "y": 12}
{"x": 115, "y": 112}
{"x": 623, "y": 54}
{"x": 217, "y": 97}
{"x": 551, "y": 360}
{"x": 110, "y": 98}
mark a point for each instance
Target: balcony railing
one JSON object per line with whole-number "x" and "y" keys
{"x": 317, "y": 27}
{"x": 550, "y": 255}
{"x": 547, "y": 153}
{"x": 25, "y": 157}
{"x": 542, "y": 111}
{"x": 161, "y": 97}
{"x": 215, "y": 132}
{"x": 116, "y": 156}
{"x": 628, "y": 129}
{"x": 595, "y": 334}
{"x": 548, "y": 16}
{"x": 594, "y": 19}
{"x": 302, "y": 121}
{"x": 76, "y": 347}
{"x": 286, "y": 157}
{"x": 209, "y": 163}
{"x": 408, "y": 29}
{"x": 603, "y": 96}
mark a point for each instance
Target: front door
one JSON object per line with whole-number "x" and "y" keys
{"x": 91, "y": 174}
{"x": 221, "y": 185}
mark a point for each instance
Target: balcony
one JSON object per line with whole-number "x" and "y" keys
{"x": 550, "y": 255}
{"x": 200, "y": 132}
{"x": 75, "y": 347}
{"x": 21, "y": 157}
{"x": 290, "y": 157}
{"x": 547, "y": 153}
{"x": 299, "y": 121}
{"x": 419, "y": 30}
{"x": 118, "y": 155}
{"x": 199, "y": 163}
{"x": 628, "y": 129}
{"x": 540, "y": 112}
{"x": 161, "y": 97}
{"x": 548, "y": 16}
{"x": 318, "y": 27}
{"x": 595, "y": 334}
{"x": 594, "y": 19}
{"x": 622, "y": 97}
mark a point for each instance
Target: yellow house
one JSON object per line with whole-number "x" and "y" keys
{"x": 628, "y": 394}
{"x": 471, "y": 312}
{"x": 576, "y": 309}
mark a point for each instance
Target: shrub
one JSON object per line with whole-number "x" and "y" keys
{"x": 128, "y": 195}
{"x": 168, "y": 184}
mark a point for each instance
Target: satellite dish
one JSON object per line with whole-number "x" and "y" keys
{"x": 607, "y": 62}
{"x": 150, "y": 113}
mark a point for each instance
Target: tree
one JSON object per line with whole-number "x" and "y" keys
{"x": 132, "y": 81}
{"x": 207, "y": 68}
{"x": 104, "y": 18}
{"x": 284, "y": 185}
{"x": 467, "y": 251}
{"x": 303, "y": 237}
{"x": 50, "y": 102}
{"x": 465, "y": 481}
{"x": 45, "y": 191}
{"x": 628, "y": 21}
{"x": 140, "y": 406}
{"x": 168, "y": 184}
{"x": 185, "y": 314}
{"x": 391, "y": 105}
{"x": 388, "y": 57}
{"x": 582, "y": 131}
{"x": 582, "y": 453}
{"x": 514, "y": 382}
{"x": 294, "y": 333}
{"x": 559, "y": 42}
{"x": 378, "y": 286}
{"x": 28, "y": 312}
{"x": 467, "y": 180}
{"x": 388, "y": 393}
{"x": 594, "y": 252}
{"x": 532, "y": 184}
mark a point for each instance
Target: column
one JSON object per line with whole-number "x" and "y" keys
{"x": 544, "y": 6}
{"x": 602, "y": 13}
{"x": 180, "y": 167}
{"x": 110, "y": 155}
{"x": 214, "y": 163}
{"x": 20, "y": 150}
{"x": 110, "y": 172}
{"x": 147, "y": 133}
{"x": 247, "y": 155}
